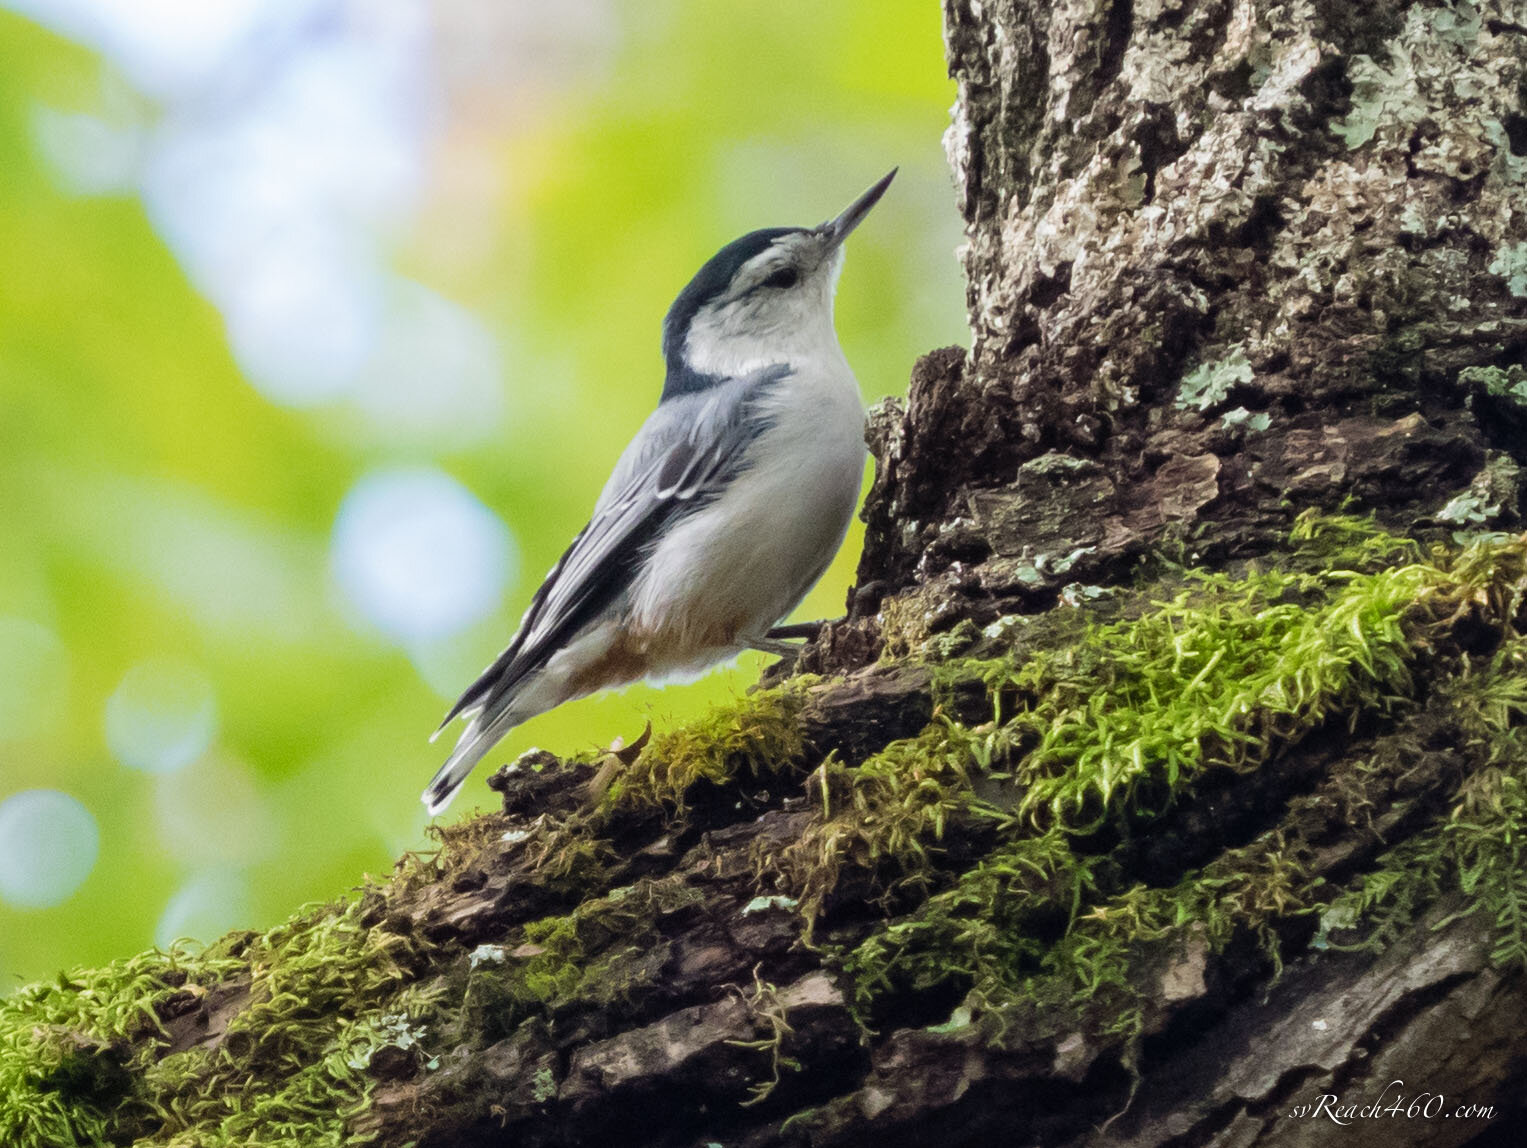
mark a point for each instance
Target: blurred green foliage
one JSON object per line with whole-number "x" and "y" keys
{"x": 153, "y": 504}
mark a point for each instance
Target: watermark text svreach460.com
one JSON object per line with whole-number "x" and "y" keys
{"x": 1393, "y": 1103}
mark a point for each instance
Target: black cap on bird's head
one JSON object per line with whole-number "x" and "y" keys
{"x": 770, "y": 259}
{"x": 710, "y": 281}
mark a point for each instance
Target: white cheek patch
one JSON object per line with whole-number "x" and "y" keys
{"x": 769, "y": 325}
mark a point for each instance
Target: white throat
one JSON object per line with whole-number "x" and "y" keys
{"x": 733, "y": 338}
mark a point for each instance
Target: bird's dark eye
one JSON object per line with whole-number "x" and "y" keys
{"x": 783, "y": 278}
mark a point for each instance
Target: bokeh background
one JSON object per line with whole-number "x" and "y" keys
{"x": 321, "y": 324}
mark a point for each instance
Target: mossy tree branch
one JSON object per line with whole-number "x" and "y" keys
{"x": 1167, "y": 772}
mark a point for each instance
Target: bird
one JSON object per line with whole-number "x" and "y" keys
{"x": 721, "y": 513}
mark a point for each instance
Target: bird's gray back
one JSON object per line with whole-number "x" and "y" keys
{"x": 682, "y": 458}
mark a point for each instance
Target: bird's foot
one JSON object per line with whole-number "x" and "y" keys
{"x": 807, "y": 630}
{"x": 619, "y": 758}
{"x": 771, "y": 645}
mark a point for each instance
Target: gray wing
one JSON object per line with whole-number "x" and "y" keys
{"x": 685, "y": 454}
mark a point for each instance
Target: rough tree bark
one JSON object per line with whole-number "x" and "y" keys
{"x": 1230, "y": 262}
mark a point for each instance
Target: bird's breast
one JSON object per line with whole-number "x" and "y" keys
{"x": 735, "y": 567}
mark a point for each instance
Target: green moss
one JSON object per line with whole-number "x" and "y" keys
{"x": 570, "y": 859}
{"x": 1098, "y": 961}
{"x": 1215, "y": 677}
{"x": 85, "y": 1059}
{"x": 756, "y": 735}
{"x": 607, "y": 951}
{"x": 57, "y": 1050}
{"x": 1109, "y": 728}
{"x": 892, "y": 810}
{"x": 1003, "y": 852}
{"x": 1091, "y": 743}
{"x": 567, "y": 855}
{"x": 458, "y": 846}
{"x": 1477, "y": 847}
{"x": 1346, "y": 542}
{"x": 89, "y": 1060}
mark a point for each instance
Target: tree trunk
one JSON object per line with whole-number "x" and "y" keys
{"x": 1164, "y": 784}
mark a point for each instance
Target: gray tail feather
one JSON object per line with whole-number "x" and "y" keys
{"x": 476, "y": 740}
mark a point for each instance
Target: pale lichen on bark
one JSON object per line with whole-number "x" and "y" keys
{"x": 1243, "y": 237}
{"x": 1364, "y": 170}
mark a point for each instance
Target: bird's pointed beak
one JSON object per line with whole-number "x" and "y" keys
{"x": 838, "y": 229}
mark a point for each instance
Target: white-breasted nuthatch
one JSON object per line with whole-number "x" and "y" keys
{"x": 722, "y": 512}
